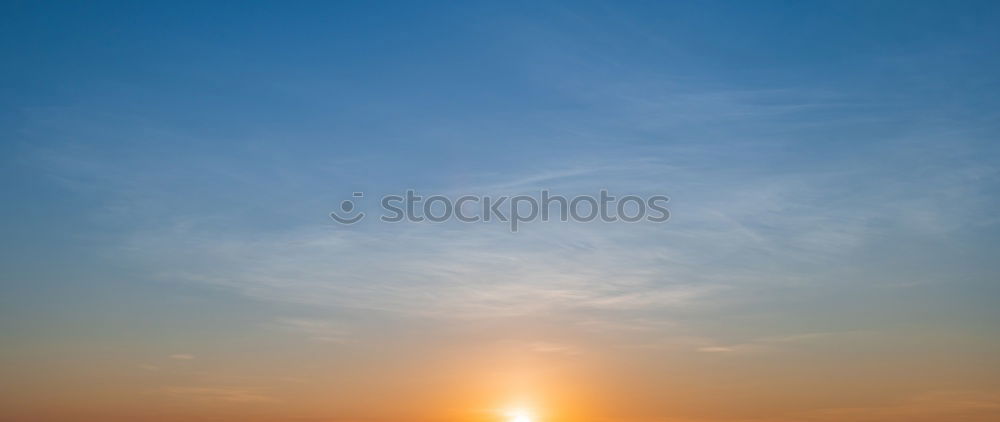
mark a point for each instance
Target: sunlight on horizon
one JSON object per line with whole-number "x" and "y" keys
{"x": 519, "y": 415}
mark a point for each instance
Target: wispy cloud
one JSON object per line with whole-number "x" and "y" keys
{"x": 182, "y": 356}
{"x": 774, "y": 343}
{"x": 732, "y": 233}
{"x": 320, "y": 331}
{"x": 218, "y": 394}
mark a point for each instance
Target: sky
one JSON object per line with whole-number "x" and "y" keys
{"x": 169, "y": 171}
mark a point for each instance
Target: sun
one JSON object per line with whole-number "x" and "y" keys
{"x": 519, "y": 415}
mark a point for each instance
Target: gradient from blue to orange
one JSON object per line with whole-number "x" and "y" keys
{"x": 168, "y": 170}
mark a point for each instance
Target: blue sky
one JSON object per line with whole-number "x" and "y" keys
{"x": 169, "y": 170}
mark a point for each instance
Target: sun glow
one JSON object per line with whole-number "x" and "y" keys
{"x": 519, "y": 415}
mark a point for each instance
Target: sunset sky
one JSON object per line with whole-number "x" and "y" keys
{"x": 168, "y": 172}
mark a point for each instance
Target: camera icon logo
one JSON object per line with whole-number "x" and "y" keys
{"x": 347, "y": 206}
